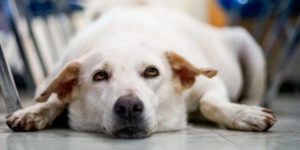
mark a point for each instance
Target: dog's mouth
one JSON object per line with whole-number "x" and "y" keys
{"x": 130, "y": 133}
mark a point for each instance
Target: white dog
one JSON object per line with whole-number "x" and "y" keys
{"x": 145, "y": 68}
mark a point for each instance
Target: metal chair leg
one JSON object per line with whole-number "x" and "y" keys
{"x": 7, "y": 85}
{"x": 284, "y": 63}
{"x": 272, "y": 35}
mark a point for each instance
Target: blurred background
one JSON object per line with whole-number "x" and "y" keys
{"x": 34, "y": 33}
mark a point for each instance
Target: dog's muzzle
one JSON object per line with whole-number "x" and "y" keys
{"x": 129, "y": 118}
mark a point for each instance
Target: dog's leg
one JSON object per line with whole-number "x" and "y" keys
{"x": 216, "y": 106}
{"x": 37, "y": 116}
{"x": 53, "y": 99}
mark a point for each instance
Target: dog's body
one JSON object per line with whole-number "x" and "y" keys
{"x": 128, "y": 39}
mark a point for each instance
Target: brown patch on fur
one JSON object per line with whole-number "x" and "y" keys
{"x": 184, "y": 72}
{"x": 66, "y": 88}
{"x": 255, "y": 128}
{"x": 9, "y": 115}
{"x": 141, "y": 2}
{"x": 267, "y": 111}
{"x": 95, "y": 16}
{"x": 63, "y": 84}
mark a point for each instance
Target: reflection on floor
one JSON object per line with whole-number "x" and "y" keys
{"x": 284, "y": 135}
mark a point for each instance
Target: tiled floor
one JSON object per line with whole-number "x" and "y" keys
{"x": 285, "y": 135}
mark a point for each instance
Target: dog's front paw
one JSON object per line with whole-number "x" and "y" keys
{"x": 27, "y": 120}
{"x": 252, "y": 118}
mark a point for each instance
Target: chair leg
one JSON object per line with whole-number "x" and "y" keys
{"x": 284, "y": 63}
{"x": 7, "y": 86}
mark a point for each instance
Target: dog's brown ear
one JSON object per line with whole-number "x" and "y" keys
{"x": 64, "y": 84}
{"x": 184, "y": 73}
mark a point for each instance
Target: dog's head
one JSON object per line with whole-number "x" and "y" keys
{"x": 123, "y": 95}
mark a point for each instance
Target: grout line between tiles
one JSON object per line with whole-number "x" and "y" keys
{"x": 222, "y": 136}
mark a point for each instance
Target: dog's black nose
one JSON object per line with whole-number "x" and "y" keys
{"x": 129, "y": 107}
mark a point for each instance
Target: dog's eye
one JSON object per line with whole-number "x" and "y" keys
{"x": 151, "y": 72}
{"x": 101, "y": 75}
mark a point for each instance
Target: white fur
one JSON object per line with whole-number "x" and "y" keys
{"x": 126, "y": 39}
